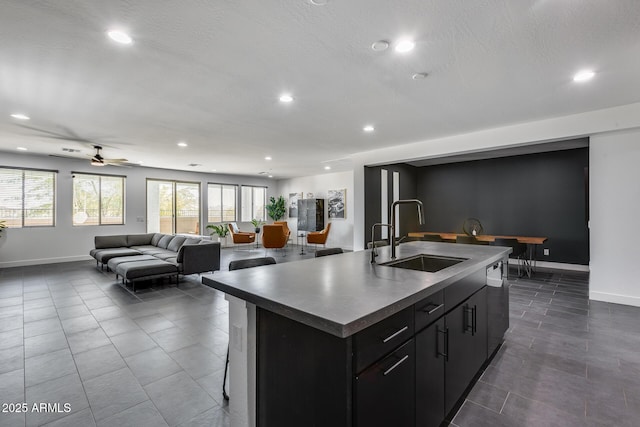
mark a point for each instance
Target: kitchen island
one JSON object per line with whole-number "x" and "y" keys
{"x": 340, "y": 341}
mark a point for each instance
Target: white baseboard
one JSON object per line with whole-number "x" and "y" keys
{"x": 556, "y": 265}
{"x": 614, "y": 298}
{"x": 26, "y": 262}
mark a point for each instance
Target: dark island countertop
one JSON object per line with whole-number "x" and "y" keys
{"x": 344, "y": 294}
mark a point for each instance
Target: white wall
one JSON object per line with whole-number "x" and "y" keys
{"x": 614, "y": 175}
{"x": 64, "y": 242}
{"x": 341, "y": 234}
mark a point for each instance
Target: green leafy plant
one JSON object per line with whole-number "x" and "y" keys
{"x": 257, "y": 223}
{"x": 2, "y": 227}
{"x": 220, "y": 229}
{"x": 276, "y": 208}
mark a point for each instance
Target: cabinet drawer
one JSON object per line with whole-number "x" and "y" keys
{"x": 459, "y": 291}
{"x": 381, "y": 338}
{"x": 429, "y": 310}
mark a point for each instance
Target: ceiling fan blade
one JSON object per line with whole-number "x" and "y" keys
{"x": 65, "y": 157}
{"x": 120, "y": 165}
{"x": 115, "y": 160}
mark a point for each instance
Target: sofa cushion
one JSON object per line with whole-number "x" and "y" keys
{"x": 152, "y": 250}
{"x": 164, "y": 242}
{"x": 191, "y": 241}
{"x": 176, "y": 242}
{"x": 105, "y": 255}
{"x": 156, "y": 238}
{"x": 103, "y": 242}
{"x": 139, "y": 239}
{"x": 115, "y": 262}
{"x": 139, "y": 269}
{"x": 145, "y": 248}
{"x": 164, "y": 254}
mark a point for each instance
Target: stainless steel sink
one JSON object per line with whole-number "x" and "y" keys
{"x": 424, "y": 262}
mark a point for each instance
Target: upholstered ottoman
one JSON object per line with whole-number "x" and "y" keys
{"x": 115, "y": 262}
{"x": 104, "y": 255}
{"x": 143, "y": 270}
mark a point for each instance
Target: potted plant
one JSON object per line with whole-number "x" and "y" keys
{"x": 257, "y": 224}
{"x": 2, "y": 227}
{"x": 220, "y": 230}
{"x": 276, "y": 208}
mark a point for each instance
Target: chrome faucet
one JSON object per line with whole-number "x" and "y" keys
{"x": 374, "y": 253}
{"x": 392, "y": 215}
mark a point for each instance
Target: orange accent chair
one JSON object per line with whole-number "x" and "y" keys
{"x": 319, "y": 237}
{"x": 240, "y": 237}
{"x": 274, "y": 236}
{"x": 285, "y": 225}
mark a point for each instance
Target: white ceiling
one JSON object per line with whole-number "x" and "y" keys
{"x": 210, "y": 73}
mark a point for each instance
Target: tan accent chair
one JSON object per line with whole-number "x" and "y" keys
{"x": 319, "y": 237}
{"x": 274, "y": 236}
{"x": 241, "y": 237}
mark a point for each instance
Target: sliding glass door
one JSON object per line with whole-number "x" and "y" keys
{"x": 173, "y": 207}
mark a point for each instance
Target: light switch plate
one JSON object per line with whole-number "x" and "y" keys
{"x": 546, "y": 251}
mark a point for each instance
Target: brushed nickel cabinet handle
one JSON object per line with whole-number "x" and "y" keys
{"x": 433, "y": 310}
{"x": 395, "y": 334}
{"x": 395, "y": 365}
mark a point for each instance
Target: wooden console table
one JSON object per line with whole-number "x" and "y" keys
{"x": 531, "y": 242}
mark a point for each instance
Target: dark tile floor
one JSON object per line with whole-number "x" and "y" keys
{"x": 70, "y": 333}
{"x": 566, "y": 361}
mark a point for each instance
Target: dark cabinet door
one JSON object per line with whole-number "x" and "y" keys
{"x": 467, "y": 345}
{"x": 430, "y": 362}
{"x": 385, "y": 392}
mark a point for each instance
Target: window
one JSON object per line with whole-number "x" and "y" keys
{"x": 254, "y": 200}
{"x": 98, "y": 199}
{"x": 173, "y": 207}
{"x": 221, "y": 203}
{"x": 27, "y": 198}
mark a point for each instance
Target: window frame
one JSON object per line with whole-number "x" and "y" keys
{"x": 264, "y": 203}
{"x": 174, "y": 183}
{"x": 235, "y": 202}
{"x": 100, "y": 175}
{"x": 54, "y": 204}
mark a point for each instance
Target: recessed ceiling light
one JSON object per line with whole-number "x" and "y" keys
{"x": 119, "y": 36}
{"x": 319, "y": 2}
{"x": 270, "y": 176}
{"x": 380, "y": 45}
{"x": 268, "y": 158}
{"x": 368, "y": 128}
{"x": 213, "y": 170}
{"x": 21, "y": 149}
{"x": 140, "y": 162}
{"x": 327, "y": 168}
{"x": 583, "y": 76}
{"x": 20, "y": 116}
{"x": 285, "y": 97}
{"x": 182, "y": 144}
{"x": 419, "y": 76}
{"x": 404, "y": 46}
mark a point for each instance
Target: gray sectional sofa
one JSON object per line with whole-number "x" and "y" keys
{"x": 136, "y": 257}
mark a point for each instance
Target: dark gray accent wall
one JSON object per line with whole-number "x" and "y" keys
{"x": 540, "y": 194}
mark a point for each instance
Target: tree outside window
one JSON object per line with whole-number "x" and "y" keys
{"x": 98, "y": 199}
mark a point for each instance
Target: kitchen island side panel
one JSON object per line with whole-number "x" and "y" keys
{"x": 304, "y": 374}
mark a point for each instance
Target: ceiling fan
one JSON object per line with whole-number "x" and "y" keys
{"x": 98, "y": 160}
